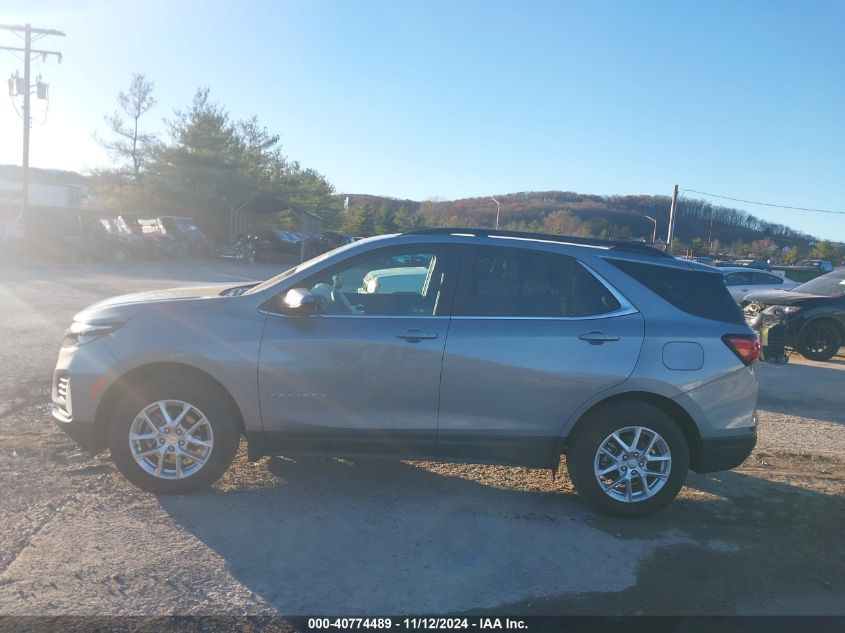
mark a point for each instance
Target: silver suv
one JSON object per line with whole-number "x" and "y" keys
{"x": 516, "y": 348}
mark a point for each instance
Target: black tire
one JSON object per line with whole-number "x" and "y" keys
{"x": 208, "y": 399}
{"x": 600, "y": 423}
{"x": 820, "y": 340}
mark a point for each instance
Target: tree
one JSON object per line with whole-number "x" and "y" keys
{"x": 823, "y": 250}
{"x": 791, "y": 257}
{"x": 385, "y": 221}
{"x": 360, "y": 221}
{"x": 211, "y": 164}
{"x": 130, "y": 145}
{"x": 698, "y": 247}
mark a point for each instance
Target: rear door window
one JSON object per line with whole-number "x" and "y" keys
{"x": 513, "y": 282}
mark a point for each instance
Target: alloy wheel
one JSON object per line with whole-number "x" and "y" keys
{"x": 632, "y": 464}
{"x": 171, "y": 439}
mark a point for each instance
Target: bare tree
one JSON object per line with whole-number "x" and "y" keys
{"x": 129, "y": 144}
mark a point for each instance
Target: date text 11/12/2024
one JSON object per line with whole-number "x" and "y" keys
{"x": 418, "y": 623}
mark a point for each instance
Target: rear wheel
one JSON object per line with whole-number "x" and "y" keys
{"x": 173, "y": 435}
{"x": 628, "y": 459}
{"x": 819, "y": 341}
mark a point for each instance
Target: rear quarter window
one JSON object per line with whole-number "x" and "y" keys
{"x": 700, "y": 293}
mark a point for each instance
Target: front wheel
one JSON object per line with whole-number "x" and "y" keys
{"x": 819, "y": 341}
{"x": 628, "y": 459}
{"x": 173, "y": 435}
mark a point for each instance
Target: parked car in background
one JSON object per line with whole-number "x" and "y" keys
{"x": 740, "y": 281}
{"x": 280, "y": 246}
{"x": 707, "y": 261}
{"x": 809, "y": 318}
{"x": 191, "y": 240}
{"x": 103, "y": 239}
{"x": 327, "y": 241}
{"x": 518, "y": 348}
{"x": 151, "y": 229}
{"x": 389, "y": 280}
{"x": 239, "y": 249}
{"x": 760, "y": 264}
{"x": 822, "y": 264}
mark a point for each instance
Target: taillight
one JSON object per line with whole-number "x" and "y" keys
{"x": 745, "y": 346}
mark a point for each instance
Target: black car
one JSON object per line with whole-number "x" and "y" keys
{"x": 809, "y": 318}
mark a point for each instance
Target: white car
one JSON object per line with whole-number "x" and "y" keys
{"x": 391, "y": 280}
{"x": 741, "y": 281}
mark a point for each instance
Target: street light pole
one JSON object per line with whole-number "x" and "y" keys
{"x": 654, "y": 231}
{"x": 710, "y": 237}
{"x": 497, "y": 212}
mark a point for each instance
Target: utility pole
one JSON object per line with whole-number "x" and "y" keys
{"x": 28, "y": 51}
{"x": 672, "y": 211}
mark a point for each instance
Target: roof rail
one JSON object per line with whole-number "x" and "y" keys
{"x": 619, "y": 245}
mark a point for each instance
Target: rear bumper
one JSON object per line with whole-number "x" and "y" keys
{"x": 724, "y": 453}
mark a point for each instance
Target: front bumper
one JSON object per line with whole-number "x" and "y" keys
{"x": 725, "y": 453}
{"x": 82, "y": 432}
{"x": 81, "y": 378}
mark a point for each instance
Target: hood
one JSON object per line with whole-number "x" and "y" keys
{"x": 781, "y": 297}
{"x": 124, "y": 306}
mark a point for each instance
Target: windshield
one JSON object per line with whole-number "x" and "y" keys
{"x": 832, "y": 285}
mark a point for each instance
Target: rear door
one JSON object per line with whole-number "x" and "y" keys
{"x": 533, "y": 335}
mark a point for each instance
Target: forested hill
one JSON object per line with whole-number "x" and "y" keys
{"x": 568, "y": 213}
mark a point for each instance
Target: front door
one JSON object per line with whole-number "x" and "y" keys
{"x": 363, "y": 375}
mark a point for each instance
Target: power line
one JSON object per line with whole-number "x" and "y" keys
{"x": 765, "y": 204}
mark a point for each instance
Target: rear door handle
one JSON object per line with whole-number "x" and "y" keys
{"x": 597, "y": 338}
{"x": 415, "y": 335}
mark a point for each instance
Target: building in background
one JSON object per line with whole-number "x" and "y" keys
{"x": 51, "y": 191}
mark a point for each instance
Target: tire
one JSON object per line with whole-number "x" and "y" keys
{"x": 819, "y": 341}
{"x": 220, "y": 429}
{"x": 594, "y": 431}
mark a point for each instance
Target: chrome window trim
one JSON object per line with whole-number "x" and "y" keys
{"x": 625, "y": 308}
{"x": 353, "y": 316}
{"x": 539, "y": 240}
{"x": 593, "y": 317}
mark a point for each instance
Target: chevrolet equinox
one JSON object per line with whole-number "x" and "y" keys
{"x": 501, "y": 347}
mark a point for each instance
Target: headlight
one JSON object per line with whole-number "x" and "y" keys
{"x": 781, "y": 310}
{"x": 82, "y": 333}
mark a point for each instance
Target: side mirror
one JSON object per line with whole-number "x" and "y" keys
{"x": 299, "y": 302}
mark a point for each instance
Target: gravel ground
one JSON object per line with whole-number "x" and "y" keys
{"x": 335, "y": 536}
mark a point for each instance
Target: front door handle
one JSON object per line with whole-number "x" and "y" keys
{"x": 415, "y": 335}
{"x": 597, "y": 338}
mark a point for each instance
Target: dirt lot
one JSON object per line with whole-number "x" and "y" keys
{"x": 333, "y": 536}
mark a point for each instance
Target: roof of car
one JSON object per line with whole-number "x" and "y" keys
{"x": 741, "y": 269}
{"x": 617, "y": 245}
